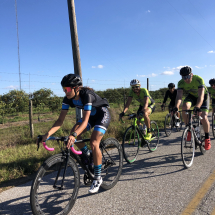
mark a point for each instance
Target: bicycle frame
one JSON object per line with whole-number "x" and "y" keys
{"x": 190, "y": 124}
{"x": 68, "y": 152}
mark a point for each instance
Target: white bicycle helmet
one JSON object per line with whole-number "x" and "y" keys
{"x": 134, "y": 82}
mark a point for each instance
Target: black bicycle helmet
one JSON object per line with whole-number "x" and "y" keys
{"x": 171, "y": 85}
{"x": 212, "y": 81}
{"x": 186, "y": 70}
{"x": 71, "y": 80}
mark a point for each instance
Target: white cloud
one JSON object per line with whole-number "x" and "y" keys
{"x": 141, "y": 75}
{"x": 11, "y": 87}
{"x": 210, "y": 52}
{"x": 148, "y": 11}
{"x": 153, "y": 75}
{"x": 53, "y": 83}
{"x": 167, "y": 73}
{"x": 99, "y": 67}
{"x": 93, "y": 80}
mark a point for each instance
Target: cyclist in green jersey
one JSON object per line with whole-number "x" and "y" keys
{"x": 212, "y": 94}
{"x": 198, "y": 97}
{"x": 147, "y": 104}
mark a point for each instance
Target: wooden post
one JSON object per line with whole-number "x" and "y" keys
{"x": 31, "y": 118}
{"x": 75, "y": 46}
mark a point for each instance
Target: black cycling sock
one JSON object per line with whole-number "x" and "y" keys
{"x": 206, "y": 135}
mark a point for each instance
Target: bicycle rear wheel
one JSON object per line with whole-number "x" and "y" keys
{"x": 187, "y": 148}
{"x": 45, "y": 198}
{"x": 168, "y": 124}
{"x": 131, "y": 144}
{"x": 153, "y": 143}
{"x": 213, "y": 131}
{"x": 112, "y": 162}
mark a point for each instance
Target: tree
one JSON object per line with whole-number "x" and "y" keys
{"x": 41, "y": 96}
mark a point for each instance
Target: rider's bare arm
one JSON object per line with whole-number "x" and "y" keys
{"x": 178, "y": 98}
{"x": 129, "y": 100}
{"x": 58, "y": 123}
{"x": 201, "y": 94}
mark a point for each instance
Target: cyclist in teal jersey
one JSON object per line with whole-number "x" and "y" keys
{"x": 95, "y": 114}
{"x": 212, "y": 94}
{"x": 198, "y": 97}
{"x": 147, "y": 104}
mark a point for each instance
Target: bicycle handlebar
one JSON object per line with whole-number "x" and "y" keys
{"x": 57, "y": 138}
{"x": 187, "y": 112}
{"x": 130, "y": 116}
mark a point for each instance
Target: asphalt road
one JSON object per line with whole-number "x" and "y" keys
{"x": 157, "y": 183}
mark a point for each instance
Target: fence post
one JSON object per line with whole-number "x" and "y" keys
{"x": 31, "y": 118}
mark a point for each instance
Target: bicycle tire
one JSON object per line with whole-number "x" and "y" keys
{"x": 213, "y": 131}
{"x": 202, "y": 140}
{"x": 187, "y": 148}
{"x": 131, "y": 144}
{"x": 112, "y": 162}
{"x": 44, "y": 198}
{"x": 168, "y": 125}
{"x": 153, "y": 143}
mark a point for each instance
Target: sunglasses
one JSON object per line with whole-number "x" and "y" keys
{"x": 212, "y": 85}
{"x": 67, "y": 89}
{"x": 170, "y": 88}
{"x": 186, "y": 77}
{"x": 136, "y": 87}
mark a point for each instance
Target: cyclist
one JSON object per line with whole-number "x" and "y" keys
{"x": 147, "y": 104}
{"x": 171, "y": 93}
{"x": 212, "y": 94}
{"x": 95, "y": 114}
{"x": 197, "y": 97}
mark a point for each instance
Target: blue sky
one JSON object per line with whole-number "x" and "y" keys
{"x": 119, "y": 41}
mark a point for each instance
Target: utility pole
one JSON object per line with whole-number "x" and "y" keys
{"x": 148, "y": 84}
{"x": 75, "y": 46}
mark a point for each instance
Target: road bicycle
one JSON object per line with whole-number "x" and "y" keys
{"x": 170, "y": 123}
{"x": 192, "y": 138}
{"x": 55, "y": 187}
{"x": 134, "y": 138}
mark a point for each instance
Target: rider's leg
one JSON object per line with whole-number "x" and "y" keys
{"x": 186, "y": 106}
{"x": 147, "y": 112}
{"x": 205, "y": 122}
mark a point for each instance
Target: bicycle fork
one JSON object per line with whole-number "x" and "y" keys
{"x": 64, "y": 173}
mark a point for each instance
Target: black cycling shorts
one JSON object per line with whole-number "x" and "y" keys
{"x": 152, "y": 107}
{"x": 100, "y": 121}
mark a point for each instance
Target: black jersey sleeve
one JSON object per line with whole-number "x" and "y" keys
{"x": 166, "y": 96}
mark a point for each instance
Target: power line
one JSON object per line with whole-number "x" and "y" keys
{"x": 190, "y": 25}
{"x": 18, "y": 43}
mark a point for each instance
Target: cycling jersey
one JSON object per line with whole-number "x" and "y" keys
{"x": 143, "y": 93}
{"x": 212, "y": 92}
{"x": 172, "y": 97}
{"x": 196, "y": 83}
{"x": 90, "y": 101}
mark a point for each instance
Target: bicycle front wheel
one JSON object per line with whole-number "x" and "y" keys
{"x": 131, "y": 144}
{"x": 153, "y": 143}
{"x": 187, "y": 148}
{"x": 168, "y": 125}
{"x": 202, "y": 140}
{"x": 112, "y": 162}
{"x": 48, "y": 196}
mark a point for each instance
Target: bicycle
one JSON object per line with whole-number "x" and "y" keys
{"x": 196, "y": 139}
{"x": 56, "y": 184}
{"x": 133, "y": 139}
{"x": 170, "y": 123}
